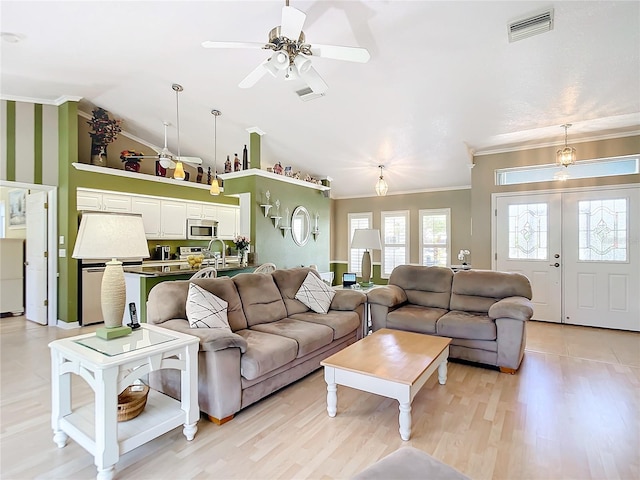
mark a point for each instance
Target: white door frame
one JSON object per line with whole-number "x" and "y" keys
{"x": 494, "y": 206}
{"x": 52, "y": 246}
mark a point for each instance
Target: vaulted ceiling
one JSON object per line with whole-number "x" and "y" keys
{"x": 443, "y": 80}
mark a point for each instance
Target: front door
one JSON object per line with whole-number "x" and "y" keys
{"x": 529, "y": 241}
{"x": 580, "y": 250}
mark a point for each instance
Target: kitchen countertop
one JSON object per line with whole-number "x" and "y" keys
{"x": 173, "y": 268}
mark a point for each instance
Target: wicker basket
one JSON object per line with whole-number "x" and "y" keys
{"x": 132, "y": 402}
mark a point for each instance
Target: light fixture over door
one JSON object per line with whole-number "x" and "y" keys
{"x": 566, "y": 156}
{"x": 215, "y": 187}
{"x": 381, "y": 185}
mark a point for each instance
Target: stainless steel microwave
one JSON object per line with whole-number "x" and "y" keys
{"x": 198, "y": 229}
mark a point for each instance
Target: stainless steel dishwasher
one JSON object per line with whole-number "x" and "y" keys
{"x": 90, "y": 299}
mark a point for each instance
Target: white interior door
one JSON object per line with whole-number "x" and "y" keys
{"x": 528, "y": 241}
{"x": 36, "y": 253}
{"x": 602, "y": 267}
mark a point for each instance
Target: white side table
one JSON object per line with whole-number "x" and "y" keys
{"x": 109, "y": 366}
{"x": 366, "y": 326}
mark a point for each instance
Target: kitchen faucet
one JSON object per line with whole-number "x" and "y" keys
{"x": 224, "y": 248}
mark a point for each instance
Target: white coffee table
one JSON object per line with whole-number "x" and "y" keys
{"x": 109, "y": 366}
{"x": 391, "y": 363}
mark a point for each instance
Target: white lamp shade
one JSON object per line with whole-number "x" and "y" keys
{"x": 111, "y": 235}
{"x": 367, "y": 238}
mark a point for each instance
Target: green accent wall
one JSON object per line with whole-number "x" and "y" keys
{"x": 254, "y": 150}
{"x": 271, "y": 244}
{"x": 37, "y": 144}
{"x": 11, "y": 141}
{"x": 67, "y": 217}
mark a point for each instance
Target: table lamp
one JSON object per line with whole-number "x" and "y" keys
{"x": 116, "y": 236}
{"x": 369, "y": 239}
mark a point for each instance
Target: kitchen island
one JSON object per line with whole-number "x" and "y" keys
{"x": 140, "y": 279}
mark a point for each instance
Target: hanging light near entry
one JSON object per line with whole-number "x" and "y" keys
{"x": 215, "y": 187}
{"x": 381, "y": 185}
{"x": 566, "y": 156}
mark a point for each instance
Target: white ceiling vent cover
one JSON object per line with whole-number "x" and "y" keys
{"x": 307, "y": 94}
{"x": 533, "y": 25}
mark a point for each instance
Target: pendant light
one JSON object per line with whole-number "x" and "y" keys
{"x": 381, "y": 185}
{"x": 215, "y": 188}
{"x": 566, "y": 156}
{"x": 178, "y": 173}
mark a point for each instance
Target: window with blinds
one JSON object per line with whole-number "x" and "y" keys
{"x": 435, "y": 240}
{"x": 395, "y": 240}
{"x": 356, "y": 221}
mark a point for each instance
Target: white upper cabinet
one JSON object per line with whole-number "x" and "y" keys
{"x": 163, "y": 218}
{"x": 150, "y": 209}
{"x": 104, "y": 202}
{"x": 173, "y": 219}
{"x": 228, "y": 221}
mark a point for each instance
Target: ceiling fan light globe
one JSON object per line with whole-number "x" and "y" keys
{"x": 165, "y": 162}
{"x": 302, "y": 63}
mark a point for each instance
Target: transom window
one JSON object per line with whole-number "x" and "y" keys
{"x": 395, "y": 240}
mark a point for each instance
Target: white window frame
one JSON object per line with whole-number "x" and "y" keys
{"x": 355, "y": 254}
{"x": 433, "y": 212}
{"x": 407, "y": 236}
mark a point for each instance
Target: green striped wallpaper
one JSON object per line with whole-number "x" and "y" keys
{"x": 29, "y": 152}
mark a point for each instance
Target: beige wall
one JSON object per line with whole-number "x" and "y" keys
{"x": 457, "y": 200}
{"x": 471, "y": 209}
{"x": 483, "y": 182}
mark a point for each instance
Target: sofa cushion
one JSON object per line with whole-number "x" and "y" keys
{"x": 261, "y": 299}
{"x": 478, "y": 290}
{"x": 265, "y": 353}
{"x": 415, "y": 318}
{"x": 224, "y": 288}
{"x": 315, "y": 294}
{"x": 471, "y": 325}
{"x": 426, "y": 286}
{"x": 288, "y": 282}
{"x": 205, "y": 310}
{"x": 341, "y": 322}
{"x": 309, "y": 336}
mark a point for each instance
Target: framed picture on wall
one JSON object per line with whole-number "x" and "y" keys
{"x": 18, "y": 208}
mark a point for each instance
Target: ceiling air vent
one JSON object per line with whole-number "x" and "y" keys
{"x": 527, "y": 27}
{"x": 307, "y": 94}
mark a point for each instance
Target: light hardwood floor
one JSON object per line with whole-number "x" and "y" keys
{"x": 571, "y": 412}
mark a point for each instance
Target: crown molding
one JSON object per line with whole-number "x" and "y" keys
{"x": 405, "y": 192}
{"x": 43, "y": 101}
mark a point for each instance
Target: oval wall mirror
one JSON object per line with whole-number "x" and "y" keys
{"x": 300, "y": 225}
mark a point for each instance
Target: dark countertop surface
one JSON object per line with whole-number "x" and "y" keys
{"x": 172, "y": 270}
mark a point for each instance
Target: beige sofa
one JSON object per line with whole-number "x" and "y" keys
{"x": 484, "y": 312}
{"x": 274, "y": 338}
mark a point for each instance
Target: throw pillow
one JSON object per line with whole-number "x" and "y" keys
{"x": 205, "y": 310}
{"x": 315, "y": 294}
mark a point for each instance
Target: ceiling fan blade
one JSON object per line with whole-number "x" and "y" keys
{"x": 314, "y": 80}
{"x": 336, "y": 52}
{"x": 193, "y": 160}
{"x": 292, "y": 22}
{"x": 251, "y": 79}
{"x": 210, "y": 44}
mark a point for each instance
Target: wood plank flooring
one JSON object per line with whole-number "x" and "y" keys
{"x": 571, "y": 412}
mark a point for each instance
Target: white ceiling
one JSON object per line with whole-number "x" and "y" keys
{"x": 443, "y": 80}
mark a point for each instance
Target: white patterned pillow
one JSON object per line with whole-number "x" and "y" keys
{"x": 205, "y": 310}
{"x": 315, "y": 294}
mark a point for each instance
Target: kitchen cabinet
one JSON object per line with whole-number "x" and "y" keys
{"x": 205, "y": 211}
{"x": 228, "y": 222}
{"x": 149, "y": 208}
{"x": 104, "y": 202}
{"x": 173, "y": 220}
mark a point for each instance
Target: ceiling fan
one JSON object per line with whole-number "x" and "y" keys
{"x": 164, "y": 156}
{"x": 291, "y": 53}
